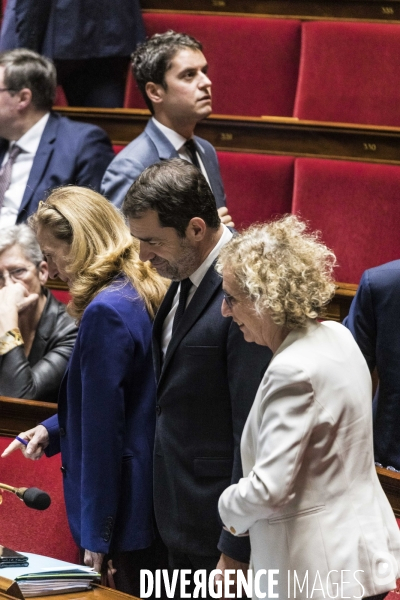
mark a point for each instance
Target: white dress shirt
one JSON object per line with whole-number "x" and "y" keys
{"x": 178, "y": 142}
{"x": 22, "y": 166}
{"x": 196, "y": 278}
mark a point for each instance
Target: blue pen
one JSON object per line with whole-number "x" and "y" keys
{"x": 24, "y": 442}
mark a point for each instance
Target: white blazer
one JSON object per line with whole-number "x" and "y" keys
{"x": 310, "y": 497}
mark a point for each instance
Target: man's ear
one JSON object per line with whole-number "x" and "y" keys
{"x": 25, "y": 98}
{"x": 43, "y": 271}
{"x": 155, "y": 92}
{"x": 196, "y": 229}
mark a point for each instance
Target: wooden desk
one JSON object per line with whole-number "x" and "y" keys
{"x": 20, "y": 415}
{"x": 97, "y": 593}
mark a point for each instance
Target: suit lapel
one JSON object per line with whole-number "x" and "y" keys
{"x": 41, "y": 160}
{"x": 158, "y": 326}
{"x": 208, "y": 287}
{"x": 165, "y": 149}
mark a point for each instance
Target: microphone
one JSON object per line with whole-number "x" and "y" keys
{"x": 32, "y": 497}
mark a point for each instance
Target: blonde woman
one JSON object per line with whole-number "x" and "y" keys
{"x": 106, "y": 417}
{"x": 309, "y": 498}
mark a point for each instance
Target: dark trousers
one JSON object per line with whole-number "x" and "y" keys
{"x": 378, "y": 597}
{"x": 98, "y": 82}
{"x": 180, "y": 560}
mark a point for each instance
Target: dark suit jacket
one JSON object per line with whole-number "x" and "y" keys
{"x": 105, "y": 425}
{"x": 38, "y": 376}
{"x": 149, "y": 148}
{"x": 374, "y": 320}
{"x": 73, "y": 29}
{"x": 68, "y": 152}
{"x": 206, "y": 387}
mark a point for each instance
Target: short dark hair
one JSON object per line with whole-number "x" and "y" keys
{"x": 177, "y": 191}
{"x": 26, "y": 69}
{"x": 152, "y": 59}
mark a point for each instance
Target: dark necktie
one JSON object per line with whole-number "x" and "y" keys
{"x": 191, "y": 149}
{"x": 5, "y": 172}
{"x": 186, "y": 284}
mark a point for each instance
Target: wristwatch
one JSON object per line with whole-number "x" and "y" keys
{"x": 11, "y": 339}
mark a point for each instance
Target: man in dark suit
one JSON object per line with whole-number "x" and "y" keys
{"x": 89, "y": 41}
{"x": 207, "y": 374}
{"x": 39, "y": 149}
{"x": 374, "y": 320}
{"x": 171, "y": 72}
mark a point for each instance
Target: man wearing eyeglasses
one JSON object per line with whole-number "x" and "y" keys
{"x": 39, "y": 149}
{"x": 36, "y": 334}
{"x": 207, "y": 374}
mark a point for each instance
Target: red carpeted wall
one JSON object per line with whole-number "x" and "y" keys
{"x": 349, "y": 73}
{"x": 253, "y": 62}
{"x": 355, "y": 206}
{"x": 257, "y": 186}
{"x": 25, "y": 529}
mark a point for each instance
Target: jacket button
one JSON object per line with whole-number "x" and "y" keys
{"x": 62, "y": 432}
{"x": 158, "y": 409}
{"x": 63, "y": 470}
{"x": 232, "y": 529}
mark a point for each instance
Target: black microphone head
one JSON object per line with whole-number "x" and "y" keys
{"x": 35, "y": 498}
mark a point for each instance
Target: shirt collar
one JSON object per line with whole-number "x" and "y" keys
{"x": 29, "y": 142}
{"x": 198, "y": 275}
{"x": 176, "y": 139}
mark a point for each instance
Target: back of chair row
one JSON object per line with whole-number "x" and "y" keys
{"x": 354, "y": 205}
{"x": 326, "y": 71}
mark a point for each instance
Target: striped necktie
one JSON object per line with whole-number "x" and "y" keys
{"x": 5, "y": 172}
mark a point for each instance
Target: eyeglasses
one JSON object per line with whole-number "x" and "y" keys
{"x": 15, "y": 274}
{"x": 230, "y": 300}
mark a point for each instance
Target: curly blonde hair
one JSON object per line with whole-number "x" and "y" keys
{"x": 101, "y": 247}
{"x": 283, "y": 269}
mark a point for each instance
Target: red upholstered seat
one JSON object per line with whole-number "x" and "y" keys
{"x": 349, "y": 73}
{"x": 61, "y": 295}
{"x": 117, "y": 148}
{"x": 355, "y": 206}
{"x": 25, "y": 529}
{"x": 253, "y": 62}
{"x": 257, "y": 186}
{"x": 61, "y": 99}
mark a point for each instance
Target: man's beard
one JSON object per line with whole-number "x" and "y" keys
{"x": 184, "y": 267}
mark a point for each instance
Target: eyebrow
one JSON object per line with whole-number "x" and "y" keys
{"x": 148, "y": 239}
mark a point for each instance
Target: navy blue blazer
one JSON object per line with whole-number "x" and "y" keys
{"x": 68, "y": 152}
{"x": 105, "y": 425}
{"x": 73, "y": 29}
{"x": 206, "y": 386}
{"x": 149, "y": 148}
{"x": 374, "y": 320}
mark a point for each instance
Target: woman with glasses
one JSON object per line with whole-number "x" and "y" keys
{"x": 310, "y": 498}
{"x": 36, "y": 333}
{"x": 106, "y": 413}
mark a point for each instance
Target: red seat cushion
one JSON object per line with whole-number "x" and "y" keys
{"x": 25, "y": 529}
{"x": 257, "y": 186}
{"x": 355, "y": 206}
{"x": 349, "y": 73}
{"x": 61, "y": 295}
{"x": 117, "y": 148}
{"x": 253, "y": 62}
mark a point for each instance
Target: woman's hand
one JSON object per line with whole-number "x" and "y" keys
{"x": 14, "y": 299}
{"x": 38, "y": 439}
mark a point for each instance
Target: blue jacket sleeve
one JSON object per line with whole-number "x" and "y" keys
{"x": 94, "y": 156}
{"x": 362, "y": 322}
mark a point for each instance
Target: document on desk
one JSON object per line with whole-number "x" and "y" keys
{"x": 47, "y": 576}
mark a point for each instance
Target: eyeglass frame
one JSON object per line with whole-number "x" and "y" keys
{"x": 230, "y": 300}
{"x": 13, "y": 277}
